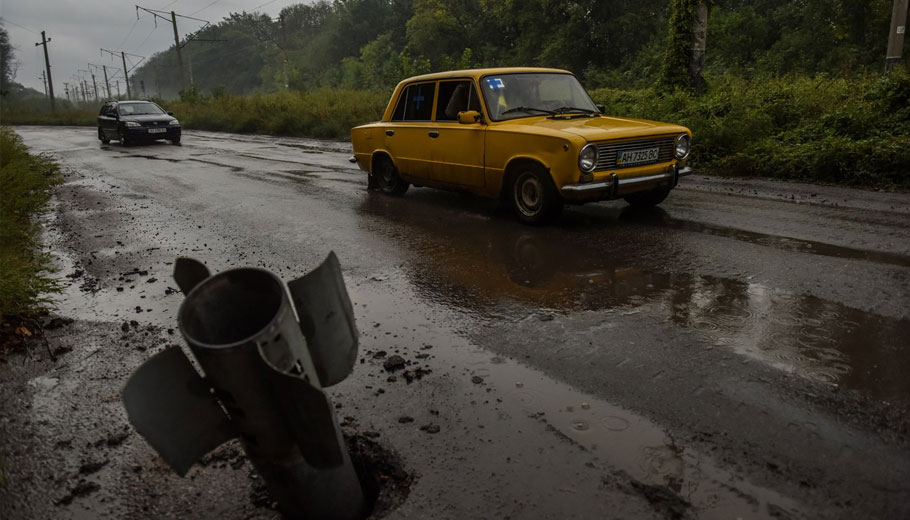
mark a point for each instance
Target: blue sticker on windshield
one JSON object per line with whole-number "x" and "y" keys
{"x": 495, "y": 83}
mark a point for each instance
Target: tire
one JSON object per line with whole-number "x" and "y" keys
{"x": 175, "y": 141}
{"x": 123, "y": 140}
{"x": 386, "y": 178}
{"x": 533, "y": 195}
{"x": 647, "y": 199}
{"x": 104, "y": 139}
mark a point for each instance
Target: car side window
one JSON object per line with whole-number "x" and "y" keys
{"x": 415, "y": 103}
{"x": 455, "y": 97}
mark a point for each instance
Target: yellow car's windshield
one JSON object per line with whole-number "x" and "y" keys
{"x": 510, "y": 96}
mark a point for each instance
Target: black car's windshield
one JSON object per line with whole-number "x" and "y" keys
{"x": 511, "y": 96}
{"x": 139, "y": 109}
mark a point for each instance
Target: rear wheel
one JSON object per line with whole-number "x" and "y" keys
{"x": 104, "y": 138}
{"x": 647, "y": 199}
{"x": 533, "y": 195}
{"x": 386, "y": 178}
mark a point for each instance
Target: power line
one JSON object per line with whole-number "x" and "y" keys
{"x": 146, "y": 38}
{"x": 204, "y": 8}
{"x": 127, "y": 37}
{"x": 7, "y": 20}
{"x": 265, "y": 4}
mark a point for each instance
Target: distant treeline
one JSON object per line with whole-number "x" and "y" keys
{"x": 372, "y": 44}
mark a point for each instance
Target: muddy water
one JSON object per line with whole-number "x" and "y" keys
{"x": 630, "y": 263}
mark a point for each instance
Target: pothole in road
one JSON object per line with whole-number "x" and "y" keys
{"x": 386, "y": 484}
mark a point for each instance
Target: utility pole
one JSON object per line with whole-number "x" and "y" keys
{"x": 179, "y": 53}
{"x": 126, "y": 76}
{"x": 118, "y": 89}
{"x": 47, "y": 63}
{"x": 66, "y": 90}
{"x": 158, "y": 14}
{"x": 107, "y": 84}
{"x": 94, "y": 83}
{"x": 896, "y": 36}
{"x": 44, "y": 80}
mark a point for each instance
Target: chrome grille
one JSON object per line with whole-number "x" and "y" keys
{"x": 607, "y": 152}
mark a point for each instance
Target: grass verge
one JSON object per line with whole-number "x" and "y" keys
{"x": 26, "y": 184}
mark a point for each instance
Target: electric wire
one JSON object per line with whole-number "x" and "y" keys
{"x": 204, "y": 8}
{"x": 7, "y": 20}
{"x": 129, "y": 33}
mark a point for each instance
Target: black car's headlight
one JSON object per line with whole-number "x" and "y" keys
{"x": 683, "y": 144}
{"x": 173, "y": 122}
{"x": 587, "y": 158}
{"x": 131, "y": 124}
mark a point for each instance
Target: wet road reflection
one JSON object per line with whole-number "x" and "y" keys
{"x": 486, "y": 266}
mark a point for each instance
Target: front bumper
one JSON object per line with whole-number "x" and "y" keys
{"x": 616, "y": 187}
{"x": 143, "y": 133}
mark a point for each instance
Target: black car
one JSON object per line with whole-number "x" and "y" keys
{"x": 132, "y": 121}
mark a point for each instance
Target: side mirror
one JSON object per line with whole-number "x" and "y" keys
{"x": 171, "y": 113}
{"x": 602, "y": 109}
{"x": 469, "y": 117}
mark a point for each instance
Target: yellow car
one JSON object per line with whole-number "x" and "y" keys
{"x": 530, "y": 136}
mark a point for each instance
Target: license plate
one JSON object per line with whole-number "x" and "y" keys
{"x": 631, "y": 157}
{"x": 157, "y": 130}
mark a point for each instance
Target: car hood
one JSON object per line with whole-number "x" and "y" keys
{"x": 148, "y": 118}
{"x": 599, "y": 128}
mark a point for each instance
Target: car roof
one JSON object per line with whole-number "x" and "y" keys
{"x": 478, "y": 73}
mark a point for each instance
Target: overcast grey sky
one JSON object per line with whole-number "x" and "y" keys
{"x": 80, "y": 28}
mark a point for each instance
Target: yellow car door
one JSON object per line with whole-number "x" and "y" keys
{"x": 457, "y": 149}
{"x": 407, "y": 135}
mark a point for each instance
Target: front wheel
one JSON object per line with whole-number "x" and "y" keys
{"x": 104, "y": 139}
{"x": 534, "y": 197}
{"x": 647, "y": 199}
{"x": 123, "y": 140}
{"x": 386, "y": 178}
{"x": 176, "y": 140}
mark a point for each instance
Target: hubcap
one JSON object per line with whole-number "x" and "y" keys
{"x": 528, "y": 194}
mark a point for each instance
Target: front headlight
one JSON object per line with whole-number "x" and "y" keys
{"x": 587, "y": 158}
{"x": 174, "y": 122}
{"x": 131, "y": 124}
{"x": 682, "y": 146}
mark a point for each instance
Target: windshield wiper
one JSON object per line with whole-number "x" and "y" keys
{"x": 563, "y": 110}
{"x": 527, "y": 109}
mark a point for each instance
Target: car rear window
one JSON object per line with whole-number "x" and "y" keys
{"x": 415, "y": 103}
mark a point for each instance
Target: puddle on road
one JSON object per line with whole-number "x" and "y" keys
{"x": 486, "y": 261}
{"x": 618, "y": 440}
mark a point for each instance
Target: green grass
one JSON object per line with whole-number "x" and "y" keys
{"x": 325, "y": 114}
{"x": 26, "y": 183}
{"x": 852, "y": 132}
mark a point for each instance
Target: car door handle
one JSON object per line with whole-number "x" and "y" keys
{"x": 390, "y": 133}
{"x": 434, "y": 134}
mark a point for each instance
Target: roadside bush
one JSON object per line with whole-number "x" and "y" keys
{"x": 26, "y": 182}
{"x": 852, "y": 132}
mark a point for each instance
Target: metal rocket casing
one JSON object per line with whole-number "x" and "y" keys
{"x": 266, "y": 369}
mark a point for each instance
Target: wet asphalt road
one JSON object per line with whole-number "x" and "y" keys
{"x": 743, "y": 351}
